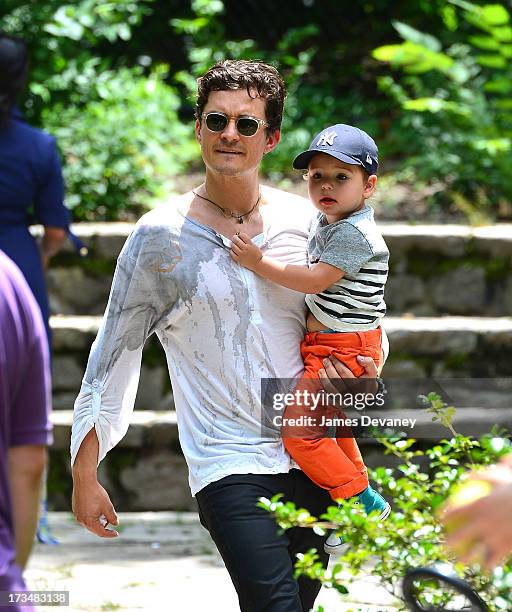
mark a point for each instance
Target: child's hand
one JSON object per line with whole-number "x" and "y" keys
{"x": 245, "y": 252}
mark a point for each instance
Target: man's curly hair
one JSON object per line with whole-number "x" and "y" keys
{"x": 253, "y": 76}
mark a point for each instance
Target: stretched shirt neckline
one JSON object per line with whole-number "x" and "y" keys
{"x": 259, "y": 239}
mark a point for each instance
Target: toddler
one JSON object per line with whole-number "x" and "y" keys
{"x": 344, "y": 283}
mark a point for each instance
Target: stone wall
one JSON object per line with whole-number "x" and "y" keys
{"x": 449, "y": 297}
{"x": 434, "y": 270}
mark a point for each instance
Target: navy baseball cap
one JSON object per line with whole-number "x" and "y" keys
{"x": 344, "y": 142}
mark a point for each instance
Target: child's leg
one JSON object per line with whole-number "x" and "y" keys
{"x": 371, "y": 346}
{"x": 339, "y": 468}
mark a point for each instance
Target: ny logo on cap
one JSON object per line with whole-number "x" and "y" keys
{"x": 368, "y": 159}
{"x": 327, "y": 138}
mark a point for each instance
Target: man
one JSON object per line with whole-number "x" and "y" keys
{"x": 223, "y": 330}
{"x": 24, "y": 426}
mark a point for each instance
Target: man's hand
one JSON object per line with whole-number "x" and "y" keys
{"x": 244, "y": 252}
{"x": 335, "y": 377}
{"x": 92, "y": 507}
{"x": 91, "y": 504}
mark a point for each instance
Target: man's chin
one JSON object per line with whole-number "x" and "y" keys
{"x": 227, "y": 170}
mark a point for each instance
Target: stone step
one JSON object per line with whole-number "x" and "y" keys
{"x": 452, "y": 334}
{"x": 156, "y": 430}
{"x": 434, "y": 269}
{"x": 106, "y": 239}
{"x": 147, "y": 470}
{"x": 476, "y": 347}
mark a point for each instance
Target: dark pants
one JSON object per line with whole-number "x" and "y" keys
{"x": 257, "y": 556}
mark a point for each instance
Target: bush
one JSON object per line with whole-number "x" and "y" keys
{"x": 458, "y": 105}
{"x": 411, "y": 536}
{"x": 122, "y": 150}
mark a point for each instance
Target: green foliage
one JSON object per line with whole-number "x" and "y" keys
{"x": 443, "y": 113}
{"x": 122, "y": 149}
{"x": 117, "y": 126}
{"x": 411, "y": 536}
{"x": 206, "y": 43}
{"x": 457, "y": 102}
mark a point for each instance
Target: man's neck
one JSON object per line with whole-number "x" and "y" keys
{"x": 236, "y": 193}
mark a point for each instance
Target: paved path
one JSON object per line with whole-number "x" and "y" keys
{"x": 162, "y": 561}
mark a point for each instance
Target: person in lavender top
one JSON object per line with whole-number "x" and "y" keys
{"x": 25, "y": 430}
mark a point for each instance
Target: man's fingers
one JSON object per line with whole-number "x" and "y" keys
{"x": 241, "y": 239}
{"x": 344, "y": 379}
{"x": 370, "y": 369}
{"x": 98, "y": 526}
{"x": 339, "y": 367}
{"x": 244, "y": 238}
{"x": 326, "y": 382}
{"x": 111, "y": 516}
{"x": 236, "y": 249}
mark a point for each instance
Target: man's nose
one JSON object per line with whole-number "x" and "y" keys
{"x": 230, "y": 133}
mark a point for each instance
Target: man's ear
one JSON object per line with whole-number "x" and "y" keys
{"x": 369, "y": 188}
{"x": 272, "y": 141}
{"x": 198, "y": 131}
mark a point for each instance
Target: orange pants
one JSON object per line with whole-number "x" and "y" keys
{"x": 334, "y": 464}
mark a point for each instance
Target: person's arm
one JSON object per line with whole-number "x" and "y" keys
{"x": 26, "y": 465}
{"x": 104, "y": 405}
{"x": 29, "y": 430}
{"x": 51, "y": 243}
{"x": 299, "y": 278}
{"x": 49, "y": 206}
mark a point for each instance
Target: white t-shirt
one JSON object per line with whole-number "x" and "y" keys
{"x": 222, "y": 327}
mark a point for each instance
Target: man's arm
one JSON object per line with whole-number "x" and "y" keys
{"x": 26, "y": 465}
{"x": 299, "y": 278}
{"x": 104, "y": 405}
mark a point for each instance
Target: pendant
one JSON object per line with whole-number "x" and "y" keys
{"x": 239, "y": 219}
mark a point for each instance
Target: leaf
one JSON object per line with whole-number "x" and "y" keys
{"x": 485, "y": 42}
{"x": 449, "y": 17}
{"x": 415, "y": 57}
{"x": 503, "y": 34}
{"x": 387, "y": 53}
{"x": 341, "y": 588}
{"x": 493, "y": 146}
{"x": 492, "y": 61}
{"x": 499, "y": 85}
{"x": 506, "y": 51}
{"x": 435, "y": 105}
{"x": 415, "y": 36}
{"x": 494, "y": 14}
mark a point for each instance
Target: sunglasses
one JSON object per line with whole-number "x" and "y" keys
{"x": 246, "y": 126}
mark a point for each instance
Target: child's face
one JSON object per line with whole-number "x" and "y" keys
{"x": 338, "y": 189}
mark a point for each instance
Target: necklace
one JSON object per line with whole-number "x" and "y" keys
{"x": 229, "y": 213}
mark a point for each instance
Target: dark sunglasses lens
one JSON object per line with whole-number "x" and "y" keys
{"x": 247, "y": 126}
{"x": 216, "y": 122}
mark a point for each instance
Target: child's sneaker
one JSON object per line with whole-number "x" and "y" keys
{"x": 372, "y": 500}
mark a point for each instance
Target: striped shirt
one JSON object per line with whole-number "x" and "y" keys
{"x": 354, "y": 245}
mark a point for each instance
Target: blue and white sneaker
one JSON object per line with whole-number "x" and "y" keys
{"x": 372, "y": 500}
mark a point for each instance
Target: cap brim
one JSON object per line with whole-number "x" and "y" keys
{"x": 301, "y": 162}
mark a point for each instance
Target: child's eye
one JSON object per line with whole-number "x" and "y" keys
{"x": 341, "y": 177}
{"x": 316, "y": 176}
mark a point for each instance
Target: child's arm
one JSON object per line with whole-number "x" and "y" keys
{"x": 307, "y": 280}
